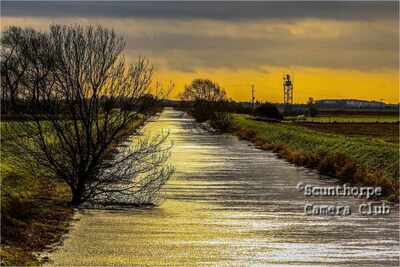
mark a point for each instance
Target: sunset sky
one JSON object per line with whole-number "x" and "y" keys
{"x": 333, "y": 49}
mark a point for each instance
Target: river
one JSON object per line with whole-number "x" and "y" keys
{"x": 229, "y": 204}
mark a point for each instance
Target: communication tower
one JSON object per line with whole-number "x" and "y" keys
{"x": 287, "y": 90}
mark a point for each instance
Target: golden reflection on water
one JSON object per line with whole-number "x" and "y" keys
{"x": 227, "y": 204}
{"x": 180, "y": 232}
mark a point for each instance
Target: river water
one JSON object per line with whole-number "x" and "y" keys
{"x": 230, "y": 204}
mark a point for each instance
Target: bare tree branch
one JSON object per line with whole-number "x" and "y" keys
{"x": 83, "y": 102}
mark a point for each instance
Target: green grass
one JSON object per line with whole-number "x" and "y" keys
{"x": 370, "y": 154}
{"x": 350, "y": 118}
{"x": 35, "y": 211}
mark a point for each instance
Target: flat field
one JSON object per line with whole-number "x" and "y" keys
{"x": 357, "y": 118}
{"x": 388, "y": 132}
{"x": 371, "y": 126}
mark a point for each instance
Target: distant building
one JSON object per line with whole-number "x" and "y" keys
{"x": 349, "y": 103}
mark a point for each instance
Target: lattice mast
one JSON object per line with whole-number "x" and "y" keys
{"x": 287, "y": 90}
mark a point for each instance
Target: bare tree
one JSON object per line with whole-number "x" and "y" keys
{"x": 87, "y": 102}
{"x": 206, "y": 98}
{"x": 13, "y": 65}
{"x": 203, "y": 90}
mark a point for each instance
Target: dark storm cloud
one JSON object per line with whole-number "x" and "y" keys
{"x": 205, "y": 10}
{"x": 190, "y": 35}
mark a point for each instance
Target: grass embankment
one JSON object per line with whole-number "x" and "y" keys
{"x": 35, "y": 212}
{"x": 356, "y": 160}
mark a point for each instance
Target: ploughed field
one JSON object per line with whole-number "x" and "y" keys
{"x": 353, "y": 118}
{"x": 386, "y": 131}
{"x": 368, "y": 124}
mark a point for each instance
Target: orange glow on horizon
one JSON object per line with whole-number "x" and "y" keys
{"x": 318, "y": 83}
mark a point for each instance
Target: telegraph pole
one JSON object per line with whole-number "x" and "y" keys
{"x": 252, "y": 96}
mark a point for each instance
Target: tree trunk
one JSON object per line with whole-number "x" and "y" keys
{"x": 76, "y": 198}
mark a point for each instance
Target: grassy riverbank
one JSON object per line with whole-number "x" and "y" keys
{"x": 35, "y": 212}
{"x": 358, "y": 160}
